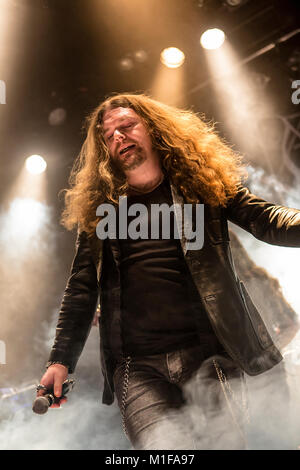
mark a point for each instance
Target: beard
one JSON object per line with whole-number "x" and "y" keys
{"x": 132, "y": 161}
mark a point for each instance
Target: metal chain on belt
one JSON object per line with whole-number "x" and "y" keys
{"x": 226, "y": 385}
{"x": 124, "y": 393}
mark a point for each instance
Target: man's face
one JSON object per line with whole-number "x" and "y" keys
{"x": 127, "y": 138}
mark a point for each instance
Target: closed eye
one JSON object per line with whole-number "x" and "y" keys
{"x": 127, "y": 125}
{"x": 121, "y": 127}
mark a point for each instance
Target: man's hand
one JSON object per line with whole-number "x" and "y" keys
{"x": 54, "y": 377}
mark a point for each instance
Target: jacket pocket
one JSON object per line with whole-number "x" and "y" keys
{"x": 255, "y": 318}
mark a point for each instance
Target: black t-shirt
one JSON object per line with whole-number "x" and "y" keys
{"x": 158, "y": 295}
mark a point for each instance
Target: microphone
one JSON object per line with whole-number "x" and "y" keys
{"x": 41, "y": 404}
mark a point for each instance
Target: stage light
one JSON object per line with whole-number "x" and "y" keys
{"x": 212, "y": 38}
{"x": 126, "y": 64}
{"x": 57, "y": 117}
{"x": 172, "y": 57}
{"x": 141, "y": 56}
{"x": 35, "y": 164}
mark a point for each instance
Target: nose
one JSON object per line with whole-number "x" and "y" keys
{"x": 118, "y": 135}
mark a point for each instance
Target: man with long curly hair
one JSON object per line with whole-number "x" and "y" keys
{"x": 178, "y": 328}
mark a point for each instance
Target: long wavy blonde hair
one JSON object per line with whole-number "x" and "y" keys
{"x": 196, "y": 160}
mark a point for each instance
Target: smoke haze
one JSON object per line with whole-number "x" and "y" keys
{"x": 31, "y": 300}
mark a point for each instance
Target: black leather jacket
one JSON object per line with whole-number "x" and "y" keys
{"x": 229, "y": 307}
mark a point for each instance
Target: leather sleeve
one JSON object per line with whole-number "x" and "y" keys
{"x": 271, "y": 223}
{"x": 77, "y": 308}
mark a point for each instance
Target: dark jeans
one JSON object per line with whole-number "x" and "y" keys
{"x": 192, "y": 398}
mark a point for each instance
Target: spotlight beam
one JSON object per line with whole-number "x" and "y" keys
{"x": 248, "y": 59}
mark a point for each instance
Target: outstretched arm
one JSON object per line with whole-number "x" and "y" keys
{"x": 271, "y": 223}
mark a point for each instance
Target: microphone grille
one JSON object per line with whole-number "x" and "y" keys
{"x": 40, "y": 405}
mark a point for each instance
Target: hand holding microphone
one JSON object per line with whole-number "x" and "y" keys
{"x": 52, "y": 389}
{"x": 42, "y": 403}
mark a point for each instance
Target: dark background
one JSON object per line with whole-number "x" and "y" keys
{"x": 66, "y": 54}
